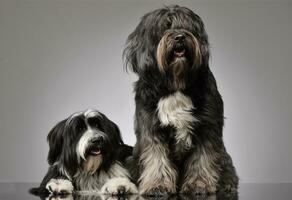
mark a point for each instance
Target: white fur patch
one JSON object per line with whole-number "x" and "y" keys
{"x": 87, "y": 113}
{"x": 59, "y": 185}
{"x": 176, "y": 110}
{"x": 73, "y": 116}
{"x": 91, "y": 113}
{"x": 114, "y": 185}
{"x": 84, "y": 141}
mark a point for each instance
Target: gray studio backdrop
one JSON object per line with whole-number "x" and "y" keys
{"x": 62, "y": 56}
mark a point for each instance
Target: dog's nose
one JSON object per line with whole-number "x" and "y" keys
{"x": 179, "y": 37}
{"x": 97, "y": 140}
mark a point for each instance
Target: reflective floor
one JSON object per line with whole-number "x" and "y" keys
{"x": 15, "y": 191}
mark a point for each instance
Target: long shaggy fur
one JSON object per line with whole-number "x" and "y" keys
{"x": 86, "y": 152}
{"x": 179, "y": 111}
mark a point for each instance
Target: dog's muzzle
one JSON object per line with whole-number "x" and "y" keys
{"x": 178, "y": 45}
{"x": 91, "y": 143}
{"x": 96, "y": 146}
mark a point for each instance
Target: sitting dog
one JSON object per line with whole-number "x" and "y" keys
{"x": 179, "y": 111}
{"x": 86, "y": 153}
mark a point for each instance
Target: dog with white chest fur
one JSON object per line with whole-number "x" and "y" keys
{"x": 86, "y": 154}
{"x": 179, "y": 111}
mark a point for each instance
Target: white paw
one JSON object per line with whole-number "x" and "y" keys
{"x": 59, "y": 186}
{"x": 53, "y": 197}
{"x": 119, "y": 186}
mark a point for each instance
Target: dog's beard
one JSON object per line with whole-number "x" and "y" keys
{"x": 92, "y": 163}
{"x": 89, "y": 154}
{"x": 178, "y": 60}
{"x": 85, "y": 142}
{"x": 179, "y": 69}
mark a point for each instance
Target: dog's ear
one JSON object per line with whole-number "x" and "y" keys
{"x": 113, "y": 130}
{"x": 124, "y": 152}
{"x": 117, "y": 133}
{"x": 68, "y": 156}
{"x": 131, "y": 52}
{"x": 55, "y": 140}
{"x": 140, "y": 50}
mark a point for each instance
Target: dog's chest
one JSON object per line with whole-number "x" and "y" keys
{"x": 177, "y": 110}
{"x": 87, "y": 182}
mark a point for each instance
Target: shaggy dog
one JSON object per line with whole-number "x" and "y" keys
{"x": 179, "y": 111}
{"x": 86, "y": 154}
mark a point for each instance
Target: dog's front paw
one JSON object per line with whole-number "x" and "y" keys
{"x": 198, "y": 188}
{"x": 59, "y": 186}
{"x": 231, "y": 189}
{"x": 119, "y": 186}
{"x": 158, "y": 192}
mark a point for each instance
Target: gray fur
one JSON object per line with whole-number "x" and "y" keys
{"x": 88, "y": 182}
{"x": 179, "y": 111}
{"x": 158, "y": 170}
{"x": 201, "y": 170}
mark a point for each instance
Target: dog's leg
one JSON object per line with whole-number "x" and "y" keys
{"x": 120, "y": 182}
{"x": 54, "y": 182}
{"x": 201, "y": 173}
{"x": 157, "y": 175}
{"x": 228, "y": 182}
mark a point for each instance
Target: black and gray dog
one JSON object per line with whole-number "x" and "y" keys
{"x": 179, "y": 111}
{"x": 86, "y": 154}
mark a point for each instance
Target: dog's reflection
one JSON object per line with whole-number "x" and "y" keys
{"x": 92, "y": 197}
{"x": 136, "y": 197}
{"x": 59, "y": 197}
{"x": 195, "y": 197}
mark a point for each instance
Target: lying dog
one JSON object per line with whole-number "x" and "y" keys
{"x": 86, "y": 154}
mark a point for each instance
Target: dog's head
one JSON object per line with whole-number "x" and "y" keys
{"x": 172, "y": 39}
{"x": 86, "y": 141}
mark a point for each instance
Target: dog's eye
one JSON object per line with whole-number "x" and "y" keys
{"x": 79, "y": 128}
{"x": 95, "y": 123}
{"x": 168, "y": 24}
